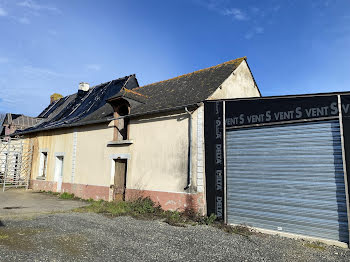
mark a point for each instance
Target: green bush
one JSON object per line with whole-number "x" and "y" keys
{"x": 210, "y": 220}
{"x": 66, "y": 195}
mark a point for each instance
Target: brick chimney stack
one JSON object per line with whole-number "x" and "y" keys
{"x": 54, "y": 97}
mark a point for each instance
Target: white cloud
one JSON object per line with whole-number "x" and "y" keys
{"x": 37, "y": 72}
{"x": 3, "y": 12}
{"x": 221, "y": 7}
{"x": 43, "y": 73}
{"x": 256, "y": 30}
{"x": 31, "y": 4}
{"x": 94, "y": 67}
{"x": 236, "y": 13}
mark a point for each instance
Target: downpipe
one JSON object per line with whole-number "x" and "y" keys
{"x": 189, "y": 166}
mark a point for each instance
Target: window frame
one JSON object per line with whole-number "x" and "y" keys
{"x": 43, "y": 159}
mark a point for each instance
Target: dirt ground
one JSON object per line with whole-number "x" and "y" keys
{"x": 21, "y": 203}
{"x": 41, "y": 227}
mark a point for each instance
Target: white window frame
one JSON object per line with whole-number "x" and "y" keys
{"x": 43, "y": 169}
{"x": 58, "y": 176}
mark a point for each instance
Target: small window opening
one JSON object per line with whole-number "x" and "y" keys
{"x": 43, "y": 164}
{"x": 121, "y": 124}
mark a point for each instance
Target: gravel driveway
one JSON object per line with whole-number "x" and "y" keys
{"x": 93, "y": 237}
{"x": 41, "y": 227}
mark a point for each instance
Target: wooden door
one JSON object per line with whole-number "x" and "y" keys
{"x": 119, "y": 179}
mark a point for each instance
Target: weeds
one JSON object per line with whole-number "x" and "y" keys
{"x": 145, "y": 208}
{"x": 49, "y": 192}
{"x": 66, "y": 195}
{"x": 175, "y": 218}
{"x": 317, "y": 245}
{"x": 140, "y": 208}
{"x": 3, "y": 237}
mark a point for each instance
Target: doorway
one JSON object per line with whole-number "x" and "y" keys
{"x": 120, "y": 166}
{"x": 59, "y": 172}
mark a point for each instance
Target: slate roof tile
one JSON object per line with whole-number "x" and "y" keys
{"x": 91, "y": 106}
{"x": 185, "y": 89}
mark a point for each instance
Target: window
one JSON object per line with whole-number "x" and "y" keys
{"x": 121, "y": 124}
{"x": 59, "y": 171}
{"x": 43, "y": 164}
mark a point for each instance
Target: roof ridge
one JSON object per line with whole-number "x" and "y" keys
{"x": 118, "y": 79}
{"x": 105, "y": 83}
{"x": 240, "y": 59}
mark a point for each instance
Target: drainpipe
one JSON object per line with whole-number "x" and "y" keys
{"x": 189, "y": 169}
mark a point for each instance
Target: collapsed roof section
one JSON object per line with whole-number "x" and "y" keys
{"x": 17, "y": 122}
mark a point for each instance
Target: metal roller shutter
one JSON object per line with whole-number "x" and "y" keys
{"x": 288, "y": 178}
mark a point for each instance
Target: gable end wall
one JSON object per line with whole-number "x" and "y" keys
{"x": 238, "y": 85}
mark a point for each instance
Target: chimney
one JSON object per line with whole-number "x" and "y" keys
{"x": 54, "y": 97}
{"x": 84, "y": 86}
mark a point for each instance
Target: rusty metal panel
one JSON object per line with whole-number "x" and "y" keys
{"x": 288, "y": 178}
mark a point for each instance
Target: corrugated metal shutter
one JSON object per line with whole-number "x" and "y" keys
{"x": 288, "y": 178}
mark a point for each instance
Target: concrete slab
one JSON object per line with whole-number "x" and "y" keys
{"x": 21, "y": 202}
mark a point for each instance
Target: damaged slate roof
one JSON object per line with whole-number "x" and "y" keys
{"x": 83, "y": 107}
{"x": 18, "y": 121}
{"x": 183, "y": 90}
{"x": 92, "y": 107}
{"x": 22, "y": 121}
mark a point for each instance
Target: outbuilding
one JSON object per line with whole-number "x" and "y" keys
{"x": 279, "y": 164}
{"x": 121, "y": 141}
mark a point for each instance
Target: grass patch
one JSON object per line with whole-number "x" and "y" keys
{"x": 187, "y": 217}
{"x": 316, "y": 245}
{"x": 141, "y": 208}
{"x": 2, "y": 237}
{"x": 66, "y": 195}
{"x": 145, "y": 208}
{"x": 18, "y": 239}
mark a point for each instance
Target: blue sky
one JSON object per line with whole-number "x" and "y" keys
{"x": 292, "y": 46}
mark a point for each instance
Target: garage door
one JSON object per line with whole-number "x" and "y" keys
{"x": 288, "y": 178}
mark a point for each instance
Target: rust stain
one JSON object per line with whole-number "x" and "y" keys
{"x": 133, "y": 92}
